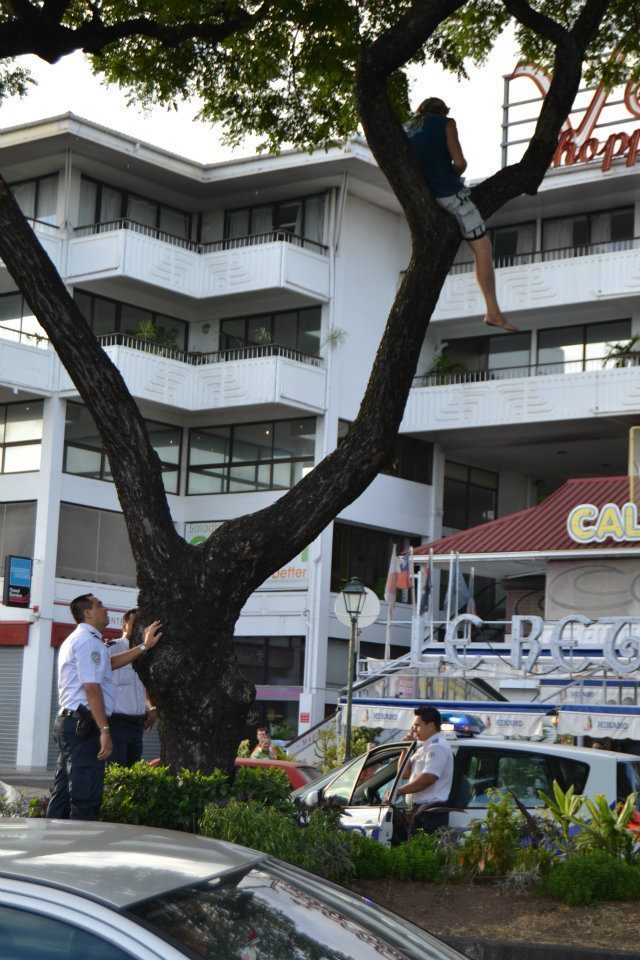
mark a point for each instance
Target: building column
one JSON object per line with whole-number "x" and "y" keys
{"x": 35, "y": 696}
{"x": 312, "y": 698}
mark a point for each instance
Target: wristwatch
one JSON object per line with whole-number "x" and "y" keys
{"x": 107, "y": 727}
{"x": 142, "y": 648}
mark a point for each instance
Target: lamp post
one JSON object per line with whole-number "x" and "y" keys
{"x": 354, "y": 596}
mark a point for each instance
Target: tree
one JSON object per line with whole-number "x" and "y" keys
{"x": 305, "y": 72}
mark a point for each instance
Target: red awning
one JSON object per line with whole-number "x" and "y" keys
{"x": 542, "y": 528}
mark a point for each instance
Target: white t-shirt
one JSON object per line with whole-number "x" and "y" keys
{"x": 436, "y": 757}
{"x": 83, "y": 658}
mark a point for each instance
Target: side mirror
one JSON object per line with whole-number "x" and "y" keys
{"x": 313, "y": 798}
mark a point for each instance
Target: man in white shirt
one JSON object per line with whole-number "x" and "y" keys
{"x": 86, "y": 693}
{"x": 133, "y": 712}
{"x": 429, "y": 770}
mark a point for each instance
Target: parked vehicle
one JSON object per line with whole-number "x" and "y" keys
{"x": 106, "y": 891}
{"x": 299, "y": 774}
{"x": 362, "y": 785}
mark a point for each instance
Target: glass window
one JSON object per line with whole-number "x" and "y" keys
{"x": 47, "y": 199}
{"x": 581, "y": 231}
{"x": 483, "y": 770}
{"x": 28, "y": 934}
{"x": 293, "y": 329}
{"x": 107, "y": 316}
{"x": 17, "y": 528}
{"x": 174, "y": 222}
{"x": 601, "y": 339}
{"x": 271, "y": 660}
{"x": 255, "y": 456}
{"x": 25, "y": 196}
{"x": 87, "y": 211}
{"x": 340, "y": 789}
{"x": 511, "y": 354}
{"x": 364, "y": 553}
{"x": 470, "y": 496}
{"x": 301, "y": 217}
{"x": 20, "y": 426}
{"x": 412, "y": 460}
{"x": 23, "y": 422}
{"x": 17, "y": 322}
{"x": 85, "y": 456}
{"x": 561, "y": 350}
{"x": 142, "y": 211}
{"x": 94, "y": 545}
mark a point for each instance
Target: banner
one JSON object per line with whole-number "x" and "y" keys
{"x": 510, "y": 724}
{"x": 590, "y": 722}
{"x": 498, "y": 722}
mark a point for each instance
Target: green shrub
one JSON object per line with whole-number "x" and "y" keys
{"x": 418, "y": 859}
{"x": 581, "y": 880}
{"x": 371, "y": 860}
{"x": 17, "y": 808}
{"x": 319, "y": 846}
{"x": 490, "y": 848}
{"x": 152, "y": 796}
{"x": 267, "y": 785}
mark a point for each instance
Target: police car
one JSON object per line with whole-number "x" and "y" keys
{"x": 362, "y": 786}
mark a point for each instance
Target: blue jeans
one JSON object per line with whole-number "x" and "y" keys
{"x": 79, "y": 777}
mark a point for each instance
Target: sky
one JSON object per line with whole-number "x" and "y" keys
{"x": 70, "y": 85}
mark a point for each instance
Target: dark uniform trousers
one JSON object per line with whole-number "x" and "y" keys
{"x": 79, "y": 777}
{"x": 126, "y": 733}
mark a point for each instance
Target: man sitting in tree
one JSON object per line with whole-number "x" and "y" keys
{"x": 434, "y": 139}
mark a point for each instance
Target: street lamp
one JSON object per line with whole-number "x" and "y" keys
{"x": 354, "y": 596}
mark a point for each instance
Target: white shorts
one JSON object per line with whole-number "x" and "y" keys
{"x": 462, "y": 207}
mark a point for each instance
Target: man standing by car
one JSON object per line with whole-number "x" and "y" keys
{"x": 86, "y": 692}
{"x": 429, "y": 770}
{"x": 133, "y": 712}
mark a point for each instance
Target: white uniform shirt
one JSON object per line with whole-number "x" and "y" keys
{"x": 130, "y": 694}
{"x": 433, "y": 756}
{"x": 84, "y": 659}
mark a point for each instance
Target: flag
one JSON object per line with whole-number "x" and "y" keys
{"x": 457, "y": 592}
{"x": 426, "y": 590}
{"x": 391, "y": 585}
{"x": 403, "y": 581}
{"x": 471, "y": 600}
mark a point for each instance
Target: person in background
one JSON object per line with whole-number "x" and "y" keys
{"x": 434, "y": 139}
{"x": 264, "y": 749}
{"x": 133, "y": 712}
{"x": 429, "y": 770}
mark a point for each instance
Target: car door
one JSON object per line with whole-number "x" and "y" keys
{"x": 479, "y": 769}
{"x": 363, "y": 789}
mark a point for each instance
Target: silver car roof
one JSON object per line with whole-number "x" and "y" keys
{"x": 112, "y": 863}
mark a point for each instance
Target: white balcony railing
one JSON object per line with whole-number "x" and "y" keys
{"x": 558, "y": 253}
{"x": 528, "y": 370}
{"x": 199, "y": 358}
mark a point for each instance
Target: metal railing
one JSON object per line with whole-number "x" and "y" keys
{"x": 528, "y": 370}
{"x": 557, "y": 253}
{"x": 231, "y": 243}
{"x": 201, "y": 358}
{"x": 42, "y": 226}
{"x": 22, "y": 336}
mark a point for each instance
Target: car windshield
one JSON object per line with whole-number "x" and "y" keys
{"x": 270, "y": 913}
{"x": 629, "y": 780}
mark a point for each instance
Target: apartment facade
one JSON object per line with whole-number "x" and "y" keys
{"x": 243, "y": 303}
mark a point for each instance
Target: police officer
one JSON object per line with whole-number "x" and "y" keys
{"x": 133, "y": 711}
{"x": 429, "y": 771}
{"x": 86, "y": 693}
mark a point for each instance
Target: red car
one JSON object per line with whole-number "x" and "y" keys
{"x": 299, "y": 774}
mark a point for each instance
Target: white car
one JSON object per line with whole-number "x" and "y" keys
{"x": 102, "y": 891}
{"x": 362, "y": 785}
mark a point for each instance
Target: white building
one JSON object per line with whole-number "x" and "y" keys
{"x": 269, "y": 281}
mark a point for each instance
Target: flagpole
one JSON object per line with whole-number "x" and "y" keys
{"x": 431, "y": 605}
{"x": 450, "y": 589}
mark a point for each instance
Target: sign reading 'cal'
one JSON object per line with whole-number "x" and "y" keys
{"x": 588, "y": 523}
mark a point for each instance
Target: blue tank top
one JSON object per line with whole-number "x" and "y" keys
{"x": 427, "y": 137}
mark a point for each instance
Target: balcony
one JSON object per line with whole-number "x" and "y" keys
{"x": 25, "y": 361}
{"x": 49, "y": 236}
{"x": 526, "y": 394}
{"x": 227, "y": 268}
{"x": 194, "y": 382}
{"x": 547, "y": 278}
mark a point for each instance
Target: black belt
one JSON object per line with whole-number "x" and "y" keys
{"x": 68, "y": 713}
{"x": 134, "y": 718}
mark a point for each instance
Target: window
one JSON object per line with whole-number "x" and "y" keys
{"x": 271, "y": 455}
{"x": 295, "y": 329}
{"x": 364, "y": 553}
{"x": 302, "y": 217}
{"x": 106, "y": 316}
{"x": 470, "y": 496}
{"x": 17, "y": 528}
{"x": 271, "y": 660}
{"x": 93, "y": 545}
{"x": 411, "y": 460}
{"x": 509, "y": 355}
{"x": 513, "y": 244}
{"x": 37, "y": 198}
{"x": 572, "y": 349}
{"x": 20, "y": 436}
{"x": 84, "y": 455}
{"x": 27, "y": 934}
{"x": 100, "y": 203}
{"x": 17, "y": 322}
{"x": 478, "y": 771}
{"x": 587, "y": 230}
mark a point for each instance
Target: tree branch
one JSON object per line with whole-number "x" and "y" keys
{"x": 535, "y": 20}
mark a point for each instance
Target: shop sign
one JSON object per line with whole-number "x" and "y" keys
{"x": 587, "y": 523}
{"x": 579, "y": 145}
{"x": 621, "y": 649}
{"x": 17, "y": 582}
{"x": 295, "y": 576}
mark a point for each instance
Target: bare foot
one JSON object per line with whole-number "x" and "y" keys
{"x": 497, "y": 320}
